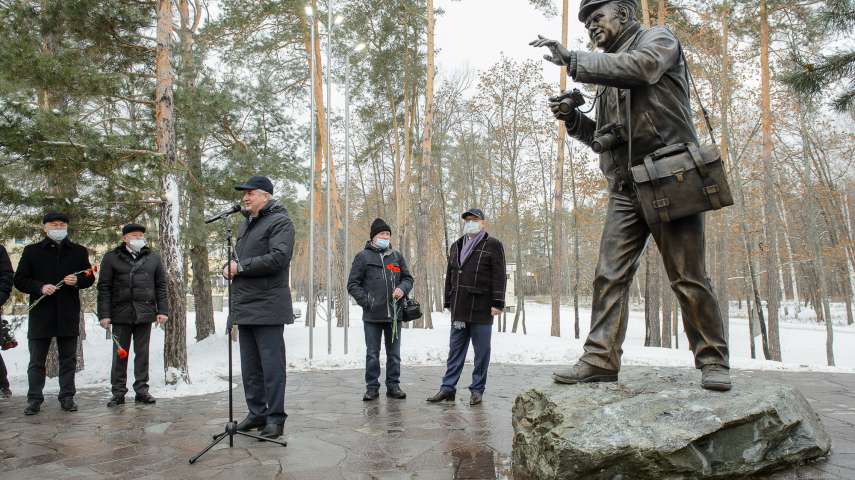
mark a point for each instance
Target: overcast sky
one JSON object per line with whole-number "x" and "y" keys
{"x": 474, "y": 33}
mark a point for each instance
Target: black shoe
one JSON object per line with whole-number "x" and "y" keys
{"x": 32, "y": 408}
{"x": 116, "y": 401}
{"x": 584, "y": 373}
{"x": 68, "y": 404}
{"x": 145, "y": 398}
{"x": 370, "y": 395}
{"x": 395, "y": 392}
{"x": 249, "y": 424}
{"x": 272, "y": 430}
{"x": 5, "y": 392}
{"x": 715, "y": 377}
{"x": 442, "y": 395}
{"x": 475, "y": 398}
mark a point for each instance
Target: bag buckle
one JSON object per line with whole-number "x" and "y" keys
{"x": 678, "y": 174}
{"x": 711, "y": 189}
{"x": 661, "y": 203}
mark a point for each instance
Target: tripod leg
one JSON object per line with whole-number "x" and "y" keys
{"x": 264, "y": 439}
{"x": 217, "y": 440}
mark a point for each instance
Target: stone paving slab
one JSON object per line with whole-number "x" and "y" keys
{"x": 332, "y": 434}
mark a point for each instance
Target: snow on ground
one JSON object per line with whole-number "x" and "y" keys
{"x": 802, "y": 344}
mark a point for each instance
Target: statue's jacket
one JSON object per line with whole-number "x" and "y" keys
{"x": 648, "y": 66}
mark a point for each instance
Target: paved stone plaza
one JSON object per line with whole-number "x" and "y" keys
{"x": 332, "y": 434}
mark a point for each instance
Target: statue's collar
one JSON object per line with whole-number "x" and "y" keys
{"x": 624, "y": 37}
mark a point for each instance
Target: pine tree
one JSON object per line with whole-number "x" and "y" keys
{"x": 819, "y": 74}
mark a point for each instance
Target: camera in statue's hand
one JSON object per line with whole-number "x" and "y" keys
{"x": 563, "y": 106}
{"x": 608, "y": 137}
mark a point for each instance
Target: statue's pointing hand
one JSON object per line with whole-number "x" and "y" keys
{"x": 560, "y": 55}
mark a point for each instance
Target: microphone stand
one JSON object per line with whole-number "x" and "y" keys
{"x": 231, "y": 427}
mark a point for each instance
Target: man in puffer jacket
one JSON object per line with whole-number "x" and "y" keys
{"x": 378, "y": 279}
{"x": 131, "y": 296}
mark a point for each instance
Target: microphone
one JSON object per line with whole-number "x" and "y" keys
{"x": 225, "y": 213}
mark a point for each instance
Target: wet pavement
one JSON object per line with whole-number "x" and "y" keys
{"x": 332, "y": 434}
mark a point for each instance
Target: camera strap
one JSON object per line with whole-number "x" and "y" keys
{"x": 691, "y": 83}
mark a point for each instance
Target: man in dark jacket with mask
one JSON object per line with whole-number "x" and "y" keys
{"x": 378, "y": 279}
{"x": 131, "y": 296}
{"x": 641, "y": 71}
{"x": 261, "y": 304}
{"x": 475, "y": 283}
{"x": 52, "y": 272}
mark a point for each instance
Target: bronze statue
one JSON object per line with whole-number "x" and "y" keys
{"x": 647, "y": 67}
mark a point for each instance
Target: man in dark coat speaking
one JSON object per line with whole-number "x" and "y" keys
{"x": 261, "y": 304}
{"x": 645, "y": 68}
{"x": 52, "y": 272}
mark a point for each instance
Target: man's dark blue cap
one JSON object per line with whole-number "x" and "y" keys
{"x": 257, "y": 182}
{"x": 475, "y": 212}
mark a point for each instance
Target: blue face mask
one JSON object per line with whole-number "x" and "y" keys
{"x": 382, "y": 243}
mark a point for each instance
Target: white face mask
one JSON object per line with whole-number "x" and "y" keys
{"x": 57, "y": 235}
{"x": 471, "y": 227}
{"x": 137, "y": 244}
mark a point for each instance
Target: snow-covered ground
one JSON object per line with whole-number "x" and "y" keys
{"x": 802, "y": 344}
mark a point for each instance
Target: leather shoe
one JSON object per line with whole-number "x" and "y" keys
{"x": 116, "y": 401}
{"x": 272, "y": 430}
{"x": 68, "y": 404}
{"x": 5, "y": 392}
{"x": 145, "y": 398}
{"x": 475, "y": 398}
{"x": 584, "y": 373}
{"x": 442, "y": 395}
{"x": 32, "y": 408}
{"x": 370, "y": 395}
{"x": 715, "y": 377}
{"x": 249, "y": 423}
{"x": 395, "y": 392}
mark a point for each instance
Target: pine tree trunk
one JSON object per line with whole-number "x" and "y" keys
{"x": 645, "y": 13}
{"x": 175, "y": 343}
{"x": 652, "y": 336}
{"x": 575, "y": 286}
{"x": 769, "y": 197}
{"x": 663, "y": 12}
{"x": 423, "y": 255}
{"x": 667, "y": 299}
{"x": 750, "y": 309}
{"x": 198, "y": 232}
{"x": 723, "y": 226}
{"x": 558, "y": 196}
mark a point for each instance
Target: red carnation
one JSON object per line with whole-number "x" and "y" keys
{"x": 394, "y": 268}
{"x": 120, "y": 350}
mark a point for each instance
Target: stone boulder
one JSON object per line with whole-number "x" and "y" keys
{"x": 658, "y": 423}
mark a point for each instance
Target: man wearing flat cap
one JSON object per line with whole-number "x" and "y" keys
{"x": 52, "y": 272}
{"x": 131, "y": 296}
{"x": 261, "y": 304}
{"x": 475, "y": 282}
{"x": 642, "y": 96}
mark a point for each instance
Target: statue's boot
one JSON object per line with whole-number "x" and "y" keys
{"x": 715, "y": 377}
{"x": 584, "y": 373}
